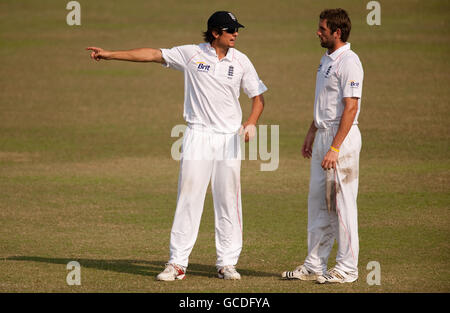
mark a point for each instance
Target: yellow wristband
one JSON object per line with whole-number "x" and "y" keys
{"x": 334, "y": 149}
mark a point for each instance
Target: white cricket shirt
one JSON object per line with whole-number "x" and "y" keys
{"x": 212, "y": 87}
{"x": 340, "y": 75}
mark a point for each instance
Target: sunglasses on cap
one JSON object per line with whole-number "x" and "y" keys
{"x": 231, "y": 30}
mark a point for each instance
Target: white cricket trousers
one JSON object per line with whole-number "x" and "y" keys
{"x": 332, "y": 209}
{"x": 208, "y": 157}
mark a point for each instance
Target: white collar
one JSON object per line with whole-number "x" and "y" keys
{"x": 338, "y": 52}
{"x": 210, "y": 49}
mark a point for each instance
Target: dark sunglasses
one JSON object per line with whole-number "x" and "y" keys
{"x": 231, "y": 30}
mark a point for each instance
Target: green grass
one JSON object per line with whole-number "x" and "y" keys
{"x": 85, "y": 166}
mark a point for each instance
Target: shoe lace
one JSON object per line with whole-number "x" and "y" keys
{"x": 170, "y": 267}
{"x": 229, "y": 269}
{"x": 302, "y": 269}
{"x": 334, "y": 273}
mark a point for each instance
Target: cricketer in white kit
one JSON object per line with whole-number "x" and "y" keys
{"x": 333, "y": 143}
{"x": 214, "y": 73}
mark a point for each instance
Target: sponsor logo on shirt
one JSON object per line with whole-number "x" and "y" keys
{"x": 203, "y": 67}
{"x": 320, "y": 66}
{"x": 354, "y": 84}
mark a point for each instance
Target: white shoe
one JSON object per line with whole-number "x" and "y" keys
{"x": 172, "y": 272}
{"x": 228, "y": 272}
{"x": 335, "y": 276}
{"x": 299, "y": 273}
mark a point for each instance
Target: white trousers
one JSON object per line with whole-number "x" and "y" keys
{"x": 332, "y": 209}
{"x": 208, "y": 157}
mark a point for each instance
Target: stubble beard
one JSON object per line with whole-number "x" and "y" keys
{"x": 326, "y": 44}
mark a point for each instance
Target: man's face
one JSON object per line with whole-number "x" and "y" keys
{"x": 327, "y": 39}
{"x": 226, "y": 39}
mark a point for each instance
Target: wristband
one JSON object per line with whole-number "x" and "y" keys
{"x": 334, "y": 149}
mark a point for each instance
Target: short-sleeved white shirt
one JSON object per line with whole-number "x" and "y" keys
{"x": 340, "y": 75}
{"x": 212, "y": 86}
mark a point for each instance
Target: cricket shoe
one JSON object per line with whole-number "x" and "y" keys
{"x": 172, "y": 272}
{"x": 299, "y": 273}
{"x": 228, "y": 272}
{"x": 335, "y": 276}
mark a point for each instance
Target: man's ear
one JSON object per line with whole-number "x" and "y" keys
{"x": 215, "y": 34}
{"x": 338, "y": 33}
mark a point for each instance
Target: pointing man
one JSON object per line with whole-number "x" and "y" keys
{"x": 214, "y": 73}
{"x": 333, "y": 143}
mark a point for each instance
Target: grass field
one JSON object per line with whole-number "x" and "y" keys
{"x": 86, "y": 172}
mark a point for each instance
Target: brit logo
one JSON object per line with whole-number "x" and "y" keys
{"x": 354, "y": 84}
{"x": 202, "y": 67}
{"x": 230, "y": 71}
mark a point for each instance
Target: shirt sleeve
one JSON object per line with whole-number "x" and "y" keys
{"x": 250, "y": 83}
{"x": 176, "y": 57}
{"x": 351, "y": 78}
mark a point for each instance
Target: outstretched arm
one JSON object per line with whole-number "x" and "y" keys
{"x": 133, "y": 55}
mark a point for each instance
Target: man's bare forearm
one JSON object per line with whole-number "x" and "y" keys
{"x": 137, "y": 55}
{"x": 133, "y": 55}
{"x": 309, "y": 141}
{"x": 348, "y": 116}
{"x": 312, "y": 128}
{"x": 257, "y": 109}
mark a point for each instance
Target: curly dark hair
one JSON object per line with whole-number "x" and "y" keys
{"x": 337, "y": 18}
{"x": 208, "y": 36}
